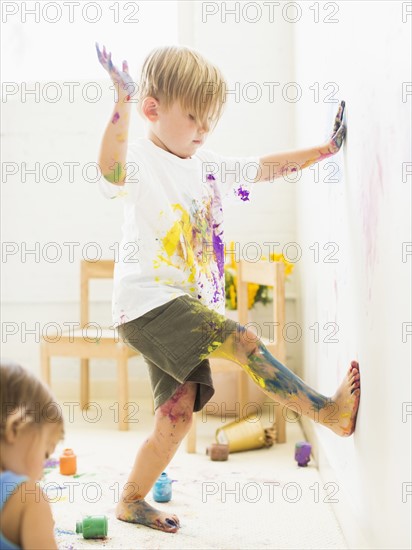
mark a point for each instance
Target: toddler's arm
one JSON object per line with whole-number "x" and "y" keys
{"x": 113, "y": 149}
{"x": 281, "y": 164}
{"x": 37, "y": 529}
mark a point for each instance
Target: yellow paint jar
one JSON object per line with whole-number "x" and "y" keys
{"x": 242, "y": 435}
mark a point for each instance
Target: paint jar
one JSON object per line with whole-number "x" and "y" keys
{"x": 68, "y": 462}
{"x": 93, "y": 527}
{"x": 218, "y": 451}
{"x": 242, "y": 435}
{"x": 302, "y": 453}
{"x": 162, "y": 489}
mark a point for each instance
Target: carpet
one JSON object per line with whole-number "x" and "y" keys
{"x": 256, "y": 499}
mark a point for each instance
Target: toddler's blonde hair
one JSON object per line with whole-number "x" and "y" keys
{"x": 179, "y": 73}
{"x": 25, "y": 398}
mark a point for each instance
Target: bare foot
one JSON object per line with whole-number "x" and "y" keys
{"x": 139, "y": 511}
{"x": 340, "y": 416}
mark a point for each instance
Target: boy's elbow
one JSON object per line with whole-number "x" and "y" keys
{"x": 109, "y": 177}
{"x": 114, "y": 175}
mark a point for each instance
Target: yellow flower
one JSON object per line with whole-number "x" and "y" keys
{"x": 252, "y": 289}
{"x": 232, "y": 294}
{"x": 232, "y": 255}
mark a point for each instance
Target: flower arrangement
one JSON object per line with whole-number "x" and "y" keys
{"x": 256, "y": 293}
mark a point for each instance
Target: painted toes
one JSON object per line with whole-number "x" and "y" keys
{"x": 171, "y": 522}
{"x": 170, "y": 526}
{"x": 176, "y": 520}
{"x": 164, "y": 525}
{"x": 355, "y": 380}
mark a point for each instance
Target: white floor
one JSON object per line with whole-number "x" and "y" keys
{"x": 257, "y": 499}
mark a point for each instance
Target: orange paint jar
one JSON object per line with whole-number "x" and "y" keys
{"x": 68, "y": 462}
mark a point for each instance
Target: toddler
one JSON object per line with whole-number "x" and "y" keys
{"x": 31, "y": 426}
{"x": 169, "y": 296}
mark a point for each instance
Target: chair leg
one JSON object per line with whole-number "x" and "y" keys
{"x": 84, "y": 383}
{"x": 280, "y": 425}
{"x": 242, "y": 391}
{"x": 45, "y": 363}
{"x": 191, "y": 436}
{"x": 122, "y": 391}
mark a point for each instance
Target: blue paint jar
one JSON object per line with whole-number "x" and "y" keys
{"x": 162, "y": 489}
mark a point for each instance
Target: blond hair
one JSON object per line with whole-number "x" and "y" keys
{"x": 179, "y": 73}
{"x": 25, "y": 398}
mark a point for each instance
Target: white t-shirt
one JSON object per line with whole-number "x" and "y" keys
{"x": 172, "y": 235}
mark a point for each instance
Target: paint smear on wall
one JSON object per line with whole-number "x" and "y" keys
{"x": 371, "y": 198}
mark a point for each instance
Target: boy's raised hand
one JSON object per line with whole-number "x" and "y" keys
{"x": 122, "y": 78}
{"x": 339, "y": 130}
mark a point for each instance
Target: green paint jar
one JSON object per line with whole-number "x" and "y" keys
{"x": 92, "y": 527}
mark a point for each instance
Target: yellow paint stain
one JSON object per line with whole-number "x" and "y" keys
{"x": 172, "y": 238}
{"x": 258, "y": 379}
{"x": 213, "y": 346}
{"x": 121, "y": 137}
{"x": 181, "y": 246}
{"x": 308, "y": 163}
{"x": 178, "y": 242}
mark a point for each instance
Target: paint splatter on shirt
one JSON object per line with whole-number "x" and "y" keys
{"x": 172, "y": 235}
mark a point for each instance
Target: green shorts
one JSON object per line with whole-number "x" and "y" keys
{"x": 175, "y": 340}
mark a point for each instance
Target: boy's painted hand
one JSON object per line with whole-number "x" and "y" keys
{"x": 339, "y": 131}
{"x": 121, "y": 78}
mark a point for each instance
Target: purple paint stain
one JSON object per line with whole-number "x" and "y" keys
{"x": 372, "y": 193}
{"x": 243, "y": 193}
{"x": 210, "y": 177}
{"x": 219, "y": 289}
{"x": 219, "y": 249}
{"x": 59, "y": 531}
{"x": 167, "y": 409}
{"x": 51, "y": 463}
{"x": 115, "y": 118}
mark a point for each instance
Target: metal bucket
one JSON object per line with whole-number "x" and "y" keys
{"x": 242, "y": 435}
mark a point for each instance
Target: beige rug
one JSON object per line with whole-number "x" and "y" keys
{"x": 257, "y": 499}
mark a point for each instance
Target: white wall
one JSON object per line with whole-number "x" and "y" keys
{"x": 367, "y": 293}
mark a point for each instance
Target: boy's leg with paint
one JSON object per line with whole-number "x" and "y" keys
{"x": 278, "y": 382}
{"x": 172, "y": 422}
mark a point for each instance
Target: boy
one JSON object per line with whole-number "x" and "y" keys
{"x": 169, "y": 293}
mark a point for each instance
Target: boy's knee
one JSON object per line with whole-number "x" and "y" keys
{"x": 177, "y": 420}
{"x": 178, "y": 410}
{"x": 246, "y": 342}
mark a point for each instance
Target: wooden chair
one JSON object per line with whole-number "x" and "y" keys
{"x": 265, "y": 273}
{"x": 88, "y": 345}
